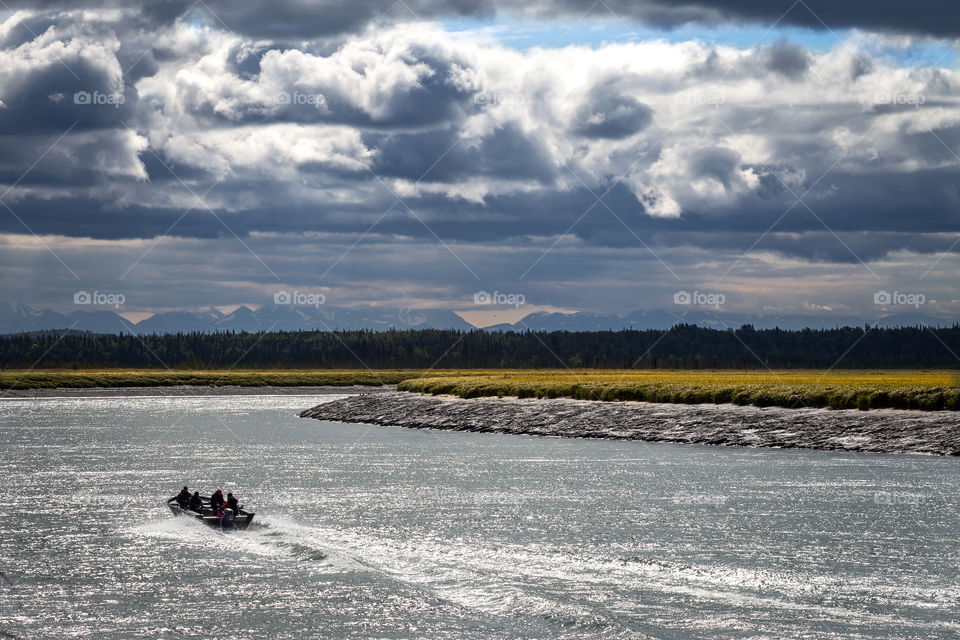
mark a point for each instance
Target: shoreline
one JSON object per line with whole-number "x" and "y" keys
{"x": 878, "y": 431}
{"x": 927, "y": 390}
{"x": 865, "y": 390}
{"x": 188, "y": 390}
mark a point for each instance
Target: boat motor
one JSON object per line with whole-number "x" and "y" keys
{"x": 226, "y": 520}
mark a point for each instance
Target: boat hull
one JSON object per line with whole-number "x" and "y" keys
{"x": 240, "y": 521}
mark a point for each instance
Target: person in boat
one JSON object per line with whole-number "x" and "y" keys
{"x": 183, "y": 498}
{"x": 196, "y": 503}
{"x": 233, "y": 503}
{"x": 216, "y": 500}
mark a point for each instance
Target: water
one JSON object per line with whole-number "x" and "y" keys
{"x": 393, "y": 533}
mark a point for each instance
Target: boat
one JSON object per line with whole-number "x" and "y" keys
{"x": 208, "y": 515}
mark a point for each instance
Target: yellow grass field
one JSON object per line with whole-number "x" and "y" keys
{"x": 928, "y": 390}
{"x": 89, "y": 378}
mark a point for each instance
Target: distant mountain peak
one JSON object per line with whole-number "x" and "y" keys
{"x": 19, "y": 317}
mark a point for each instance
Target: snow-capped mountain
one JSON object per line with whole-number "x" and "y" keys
{"x": 15, "y": 318}
{"x": 18, "y": 317}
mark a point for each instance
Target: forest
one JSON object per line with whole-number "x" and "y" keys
{"x": 682, "y": 347}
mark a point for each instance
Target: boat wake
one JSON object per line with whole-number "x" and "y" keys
{"x": 268, "y": 539}
{"x": 571, "y": 591}
{"x": 457, "y": 575}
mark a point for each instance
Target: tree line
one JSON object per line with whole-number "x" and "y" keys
{"x": 682, "y": 347}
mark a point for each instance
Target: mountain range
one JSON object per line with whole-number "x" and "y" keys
{"x": 661, "y": 319}
{"x": 18, "y": 317}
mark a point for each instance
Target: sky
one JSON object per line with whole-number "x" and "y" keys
{"x": 491, "y": 157}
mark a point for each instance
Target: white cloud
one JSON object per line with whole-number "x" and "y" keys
{"x": 489, "y": 141}
{"x": 416, "y": 77}
{"x": 278, "y": 149}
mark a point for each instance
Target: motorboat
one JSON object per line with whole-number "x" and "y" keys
{"x": 222, "y": 518}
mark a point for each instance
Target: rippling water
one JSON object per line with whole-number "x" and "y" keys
{"x": 386, "y": 532}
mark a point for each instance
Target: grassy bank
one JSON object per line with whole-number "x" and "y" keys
{"x": 87, "y": 378}
{"x": 931, "y": 390}
{"x": 926, "y": 390}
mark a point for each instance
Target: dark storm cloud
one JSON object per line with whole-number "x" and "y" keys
{"x": 278, "y": 19}
{"x": 443, "y": 156}
{"x": 433, "y": 101}
{"x": 26, "y": 29}
{"x": 78, "y": 160}
{"x": 873, "y": 217}
{"x": 244, "y": 59}
{"x": 809, "y": 246}
{"x": 789, "y": 60}
{"x": 717, "y": 163}
{"x": 933, "y": 17}
{"x": 395, "y": 111}
{"x": 872, "y": 220}
{"x": 90, "y": 218}
{"x": 87, "y": 218}
{"x": 57, "y": 95}
{"x": 608, "y": 113}
{"x": 312, "y": 18}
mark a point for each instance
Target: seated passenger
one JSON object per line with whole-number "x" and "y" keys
{"x": 216, "y": 500}
{"x": 196, "y": 504}
{"x": 183, "y": 497}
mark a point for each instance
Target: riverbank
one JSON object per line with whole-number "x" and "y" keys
{"x": 864, "y": 390}
{"x": 881, "y": 431}
{"x": 915, "y": 390}
{"x": 189, "y": 390}
{"x": 120, "y": 378}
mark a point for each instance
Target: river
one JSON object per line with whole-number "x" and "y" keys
{"x": 376, "y": 531}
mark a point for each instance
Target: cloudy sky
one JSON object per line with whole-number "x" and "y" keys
{"x": 795, "y": 157}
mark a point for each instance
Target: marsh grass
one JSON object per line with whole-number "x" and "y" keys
{"x": 40, "y": 379}
{"x": 923, "y": 390}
